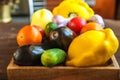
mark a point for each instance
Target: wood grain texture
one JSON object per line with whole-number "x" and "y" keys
{"x": 8, "y": 45}
{"x": 110, "y": 72}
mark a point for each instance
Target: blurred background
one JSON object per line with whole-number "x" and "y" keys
{"x": 21, "y": 10}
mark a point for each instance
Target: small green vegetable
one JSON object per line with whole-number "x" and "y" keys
{"x": 49, "y": 27}
{"x": 52, "y": 57}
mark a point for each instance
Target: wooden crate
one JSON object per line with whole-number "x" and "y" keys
{"x": 110, "y": 72}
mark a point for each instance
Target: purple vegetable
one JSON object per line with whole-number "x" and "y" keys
{"x": 98, "y": 19}
{"x": 60, "y": 20}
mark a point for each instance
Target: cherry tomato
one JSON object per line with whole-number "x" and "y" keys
{"x": 39, "y": 29}
{"x": 76, "y": 24}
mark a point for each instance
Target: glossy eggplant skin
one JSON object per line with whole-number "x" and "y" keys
{"x": 30, "y": 54}
{"x": 22, "y": 56}
{"x": 36, "y": 50}
{"x": 63, "y": 37}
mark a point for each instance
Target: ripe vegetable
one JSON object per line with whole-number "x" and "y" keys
{"x": 91, "y": 26}
{"x": 62, "y": 36}
{"x": 98, "y": 19}
{"x": 78, "y": 7}
{"x": 76, "y": 24}
{"x": 49, "y": 27}
{"x": 31, "y": 54}
{"x": 21, "y": 56}
{"x": 52, "y": 57}
{"x": 60, "y": 20}
{"x": 28, "y": 35}
{"x": 41, "y": 18}
{"x": 40, "y": 30}
{"x": 92, "y": 48}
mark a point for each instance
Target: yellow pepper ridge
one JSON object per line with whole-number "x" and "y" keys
{"x": 92, "y": 48}
{"x": 73, "y": 6}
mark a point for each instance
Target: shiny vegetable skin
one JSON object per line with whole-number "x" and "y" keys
{"x": 22, "y": 56}
{"x": 62, "y": 36}
{"x": 49, "y": 27}
{"x": 76, "y": 24}
{"x": 60, "y": 20}
{"x": 79, "y": 7}
{"x": 31, "y": 54}
{"x": 92, "y": 48}
{"x": 98, "y": 19}
{"x": 53, "y": 57}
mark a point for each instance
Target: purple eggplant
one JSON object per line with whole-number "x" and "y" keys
{"x": 30, "y": 54}
{"x": 63, "y": 37}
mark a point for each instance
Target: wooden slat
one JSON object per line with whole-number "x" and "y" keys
{"x": 110, "y": 72}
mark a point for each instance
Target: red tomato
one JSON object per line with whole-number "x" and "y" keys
{"x": 39, "y": 29}
{"x": 76, "y": 24}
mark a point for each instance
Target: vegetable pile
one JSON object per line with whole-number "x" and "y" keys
{"x": 71, "y": 35}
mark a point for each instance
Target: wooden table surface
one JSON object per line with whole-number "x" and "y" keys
{"x": 8, "y": 43}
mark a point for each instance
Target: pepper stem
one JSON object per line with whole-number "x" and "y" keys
{"x": 72, "y": 14}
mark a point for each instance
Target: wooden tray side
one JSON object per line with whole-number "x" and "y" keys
{"x": 63, "y": 73}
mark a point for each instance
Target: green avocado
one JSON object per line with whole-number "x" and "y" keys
{"x": 52, "y": 57}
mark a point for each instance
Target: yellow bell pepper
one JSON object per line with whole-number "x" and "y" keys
{"x": 92, "y": 48}
{"x": 41, "y": 18}
{"x": 78, "y": 7}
